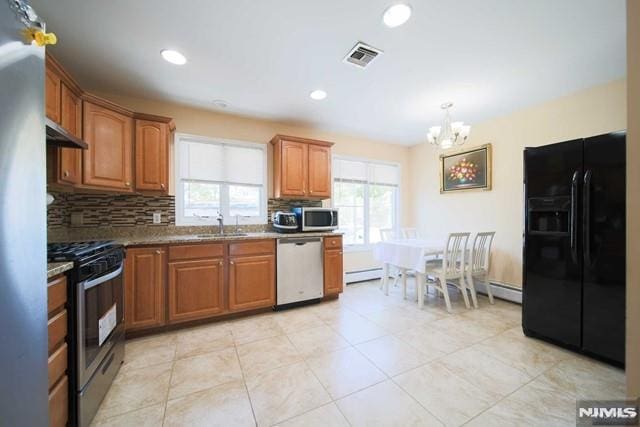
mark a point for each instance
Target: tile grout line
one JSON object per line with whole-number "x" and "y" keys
{"x": 514, "y": 391}
{"x": 244, "y": 382}
{"x": 166, "y": 399}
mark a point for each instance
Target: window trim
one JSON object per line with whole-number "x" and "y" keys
{"x": 367, "y": 246}
{"x": 183, "y": 221}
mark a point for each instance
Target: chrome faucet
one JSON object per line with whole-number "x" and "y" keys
{"x": 220, "y": 219}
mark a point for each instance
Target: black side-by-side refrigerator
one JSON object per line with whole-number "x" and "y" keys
{"x": 574, "y": 245}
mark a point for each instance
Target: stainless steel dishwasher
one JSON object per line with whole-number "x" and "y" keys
{"x": 300, "y": 272}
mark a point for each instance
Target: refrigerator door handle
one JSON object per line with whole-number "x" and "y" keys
{"x": 586, "y": 217}
{"x": 574, "y": 217}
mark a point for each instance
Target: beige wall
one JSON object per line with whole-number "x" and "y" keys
{"x": 593, "y": 111}
{"x": 209, "y": 123}
{"x": 633, "y": 200}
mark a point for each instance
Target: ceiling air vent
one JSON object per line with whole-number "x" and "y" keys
{"x": 361, "y": 55}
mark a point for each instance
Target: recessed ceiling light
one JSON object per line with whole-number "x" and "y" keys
{"x": 318, "y": 95}
{"x": 396, "y": 15}
{"x": 220, "y": 103}
{"x": 173, "y": 56}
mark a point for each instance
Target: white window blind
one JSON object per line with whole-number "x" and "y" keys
{"x": 366, "y": 195}
{"x": 219, "y": 176}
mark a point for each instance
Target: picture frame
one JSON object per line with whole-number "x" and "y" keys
{"x": 467, "y": 170}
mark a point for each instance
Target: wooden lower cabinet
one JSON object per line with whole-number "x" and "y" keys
{"x": 333, "y": 266}
{"x": 145, "y": 272}
{"x": 58, "y": 357}
{"x": 196, "y": 289}
{"x": 252, "y": 282}
{"x": 59, "y": 403}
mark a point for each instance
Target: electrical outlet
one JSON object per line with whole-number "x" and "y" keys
{"x": 76, "y": 218}
{"x": 157, "y": 217}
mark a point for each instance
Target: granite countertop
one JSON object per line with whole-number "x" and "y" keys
{"x": 55, "y": 268}
{"x": 167, "y": 239}
{"x": 213, "y": 237}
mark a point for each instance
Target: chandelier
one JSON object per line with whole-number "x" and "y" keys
{"x": 450, "y": 133}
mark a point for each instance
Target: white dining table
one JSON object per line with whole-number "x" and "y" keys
{"x": 406, "y": 254}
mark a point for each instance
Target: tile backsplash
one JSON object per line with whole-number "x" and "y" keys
{"x": 81, "y": 210}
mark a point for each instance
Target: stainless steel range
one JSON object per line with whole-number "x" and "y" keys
{"x": 96, "y": 329}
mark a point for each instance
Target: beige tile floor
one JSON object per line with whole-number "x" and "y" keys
{"x": 363, "y": 360}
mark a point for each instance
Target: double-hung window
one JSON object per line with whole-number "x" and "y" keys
{"x": 220, "y": 176}
{"x": 366, "y": 194}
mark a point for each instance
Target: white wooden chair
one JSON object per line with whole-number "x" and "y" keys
{"x": 386, "y": 234}
{"x": 478, "y": 266}
{"x": 450, "y": 268}
{"x": 409, "y": 233}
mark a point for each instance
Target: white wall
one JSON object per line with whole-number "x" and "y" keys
{"x": 593, "y": 111}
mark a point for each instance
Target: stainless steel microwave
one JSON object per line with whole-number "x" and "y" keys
{"x": 316, "y": 219}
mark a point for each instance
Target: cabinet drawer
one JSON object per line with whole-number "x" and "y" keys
{"x": 332, "y": 242}
{"x": 56, "y": 294}
{"x": 57, "y": 365}
{"x": 59, "y": 404}
{"x": 57, "y": 330}
{"x": 182, "y": 252}
{"x": 252, "y": 248}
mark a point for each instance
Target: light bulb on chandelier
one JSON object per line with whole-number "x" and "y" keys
{"x": 450, "y": 133}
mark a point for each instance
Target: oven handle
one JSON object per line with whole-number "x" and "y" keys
{"x": 91, "y": 283}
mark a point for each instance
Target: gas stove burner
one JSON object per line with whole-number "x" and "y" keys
{"x": 75, "y": 250}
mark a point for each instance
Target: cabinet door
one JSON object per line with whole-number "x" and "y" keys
{"x": 152, "y": 156}
{"x": 108, "y": 160}
{"x": 144, "y": 287}
{"x": 319, "y": 171}
{"x": 333, "y": 272}
{"x": 52, "y": 95}
{"x": 70, "y": 159}
{"x": 293, "y": 169}
{"x": 196, "y": 289}
{"x": 252, "y": 282}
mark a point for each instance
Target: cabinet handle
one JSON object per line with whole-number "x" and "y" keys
{"x": 66, "y": 174}
{"x": 222, "y": 263}
{"x": 162, "y": 186}
{"x": 128, "y": 184}
{"x": 340, "y": 252}
{"x": 158, "y": 251}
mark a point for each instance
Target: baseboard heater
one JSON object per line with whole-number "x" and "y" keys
{"x": 362, "y": 275}
{"x": 499, "y": 290}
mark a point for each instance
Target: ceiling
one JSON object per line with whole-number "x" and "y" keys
{"x": 264, "y": 57}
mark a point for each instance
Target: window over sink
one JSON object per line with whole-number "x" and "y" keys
{"x": 366, "y": 194}
{"x": 220, "y": 176}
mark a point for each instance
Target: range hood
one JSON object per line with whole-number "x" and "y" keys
{"x": 56, "y": 135}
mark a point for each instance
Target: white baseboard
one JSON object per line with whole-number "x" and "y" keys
{"x": 501, "y": 291}
{"x": 362, "y": 275}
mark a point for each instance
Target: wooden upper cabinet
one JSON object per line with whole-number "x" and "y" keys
{"x": 152, "y": 156}
{"x": 145, "y": 271}
{"x": 293, "y": 169}
{"x": 69, "y": 160}
{"x": 108, "y": 160}
{"x": 333, "y": 266}
{"x": 52, "y": 93}
{"x": 302, "y": 168}
{"x": 319, "y": 171}
{"x": 196, "y": 289}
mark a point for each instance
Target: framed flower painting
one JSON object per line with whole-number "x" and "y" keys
{"x": 466, "y": 170}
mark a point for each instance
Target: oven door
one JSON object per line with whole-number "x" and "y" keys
{"x": 100, "y": 320}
